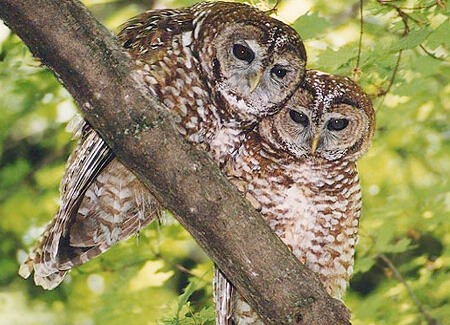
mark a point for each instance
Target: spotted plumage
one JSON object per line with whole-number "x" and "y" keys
{"x": 218, "y": 68}
{"x": 298, "y": 168}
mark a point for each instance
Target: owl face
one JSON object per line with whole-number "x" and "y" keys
{"x": 252, "y": 75}
{"x": 253, "y": 61}
{"x": 329, "y": 117}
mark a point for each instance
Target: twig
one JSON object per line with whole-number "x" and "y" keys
{"x": 394, "y": 73}
{"x": 383, "y": 93}
{"x": 406, "y": 30}
{"x": 398, "y": 275}
{"x": 430, "y": 320}
{"x": 420, "y": 7}
{"x": 361, "y": 33}
{"x": 432, "y": 55}
{"x": 187, "y": 271}
{"x": 274, "y": 9}
{"x": 406, "y": 17}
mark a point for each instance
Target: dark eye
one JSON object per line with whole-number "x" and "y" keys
{"x": 278, "y": 71}
{"x": 243, "y": 53}
{"x": 337, "y": 124}
{"x": 299, "y": 118}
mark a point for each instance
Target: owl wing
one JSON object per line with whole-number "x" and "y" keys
{"x": 149, "y": 36}
{"x": 83, "y": 165}
{"x": 223, "y": 292}
{"x": 101, "y": 203}
{"x": 114, "y": 207}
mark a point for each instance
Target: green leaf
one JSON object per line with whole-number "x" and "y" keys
{"x": 441, "y": 36}
{"x": 332, "y": 60}
{"x": 184, "y": 298}
{"x": 399, "y": 247}
{"x": 206, "y": 315}
{"x": 310, "y": 24}
{"x": 412, "y": 40}
{"x": 363, "y": 264}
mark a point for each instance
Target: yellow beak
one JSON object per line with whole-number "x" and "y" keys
{"x": 254, "y": 81}
{"x": 315, "y": 143}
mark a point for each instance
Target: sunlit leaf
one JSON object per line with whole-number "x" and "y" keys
{"x": 310, "y": 24}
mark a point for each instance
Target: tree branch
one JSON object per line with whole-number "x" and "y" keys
{"x": 87, "y": 60}
{"x": 430, "y": 320}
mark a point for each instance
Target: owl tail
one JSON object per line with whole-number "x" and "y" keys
{"x": 53, "y": 256}
{"x": 43, "y": 260}
{"x": 65, "y": 245}
{"x": 47, "y": 282}
{"x": 48, "y": 273}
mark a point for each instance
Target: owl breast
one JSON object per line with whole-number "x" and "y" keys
{"x": 313, "y": 206}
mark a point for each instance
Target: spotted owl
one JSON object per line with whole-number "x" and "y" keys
{"x": 218, "y": 68}
{"x": 298, "y": 168}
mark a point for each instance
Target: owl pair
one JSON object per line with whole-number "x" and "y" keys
{"x": 235, "y": 84}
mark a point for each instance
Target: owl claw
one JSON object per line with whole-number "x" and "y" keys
{"x": 255, "y": 204}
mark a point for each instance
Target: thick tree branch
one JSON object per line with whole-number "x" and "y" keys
{"x": 86, "y": 59}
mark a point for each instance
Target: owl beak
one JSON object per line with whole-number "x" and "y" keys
{"x": 255, "y": 80}
{"x": 315, "y": 144}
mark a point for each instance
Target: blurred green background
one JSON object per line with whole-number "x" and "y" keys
{"x": 161, "y": 276}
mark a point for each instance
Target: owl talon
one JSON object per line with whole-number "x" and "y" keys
{"x": 239, "y": 184}
{"x": 255, "y": 204}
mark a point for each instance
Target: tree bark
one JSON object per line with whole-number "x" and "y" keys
{"x": 85, "y": 57}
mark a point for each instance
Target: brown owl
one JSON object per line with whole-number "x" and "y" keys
{"x": 218, "y": 68}
{"x": 298, "y": 167}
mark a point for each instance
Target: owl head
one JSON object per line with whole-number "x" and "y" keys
{"x": 252, "y": 62}
{"x": 328, "y": 117}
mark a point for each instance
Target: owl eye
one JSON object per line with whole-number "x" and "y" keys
{"x": 299, "y": 118}
{"x": 278, "y": 71}
{"x": 337, "y": 124}
{"x": 243, "y": 53}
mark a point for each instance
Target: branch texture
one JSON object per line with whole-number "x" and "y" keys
{"x": 87, "y": 60}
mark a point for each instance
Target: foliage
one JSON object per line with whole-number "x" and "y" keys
{"x": 161, "y": 276}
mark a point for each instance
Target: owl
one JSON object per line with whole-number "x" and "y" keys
{"x": 218, "y": 68}
{"x": 298, "y": 168}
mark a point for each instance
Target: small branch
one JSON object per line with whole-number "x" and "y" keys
{"x": 274, "y": 9}
{"x": 348, "y": 13}
{"x": 394, "y": 73}
{"x": 432, "y": 55}
{"x": 406, "y": 30}
{"x": 398, "y": 275}
{"x": 361, "y": 31}
{"x": 421, "y": 7}
{"x": 357, "y": 70}
{"x": 383, "y": 93}
{"x": 406, "y": 17}
{"x": 181, "y": 268}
